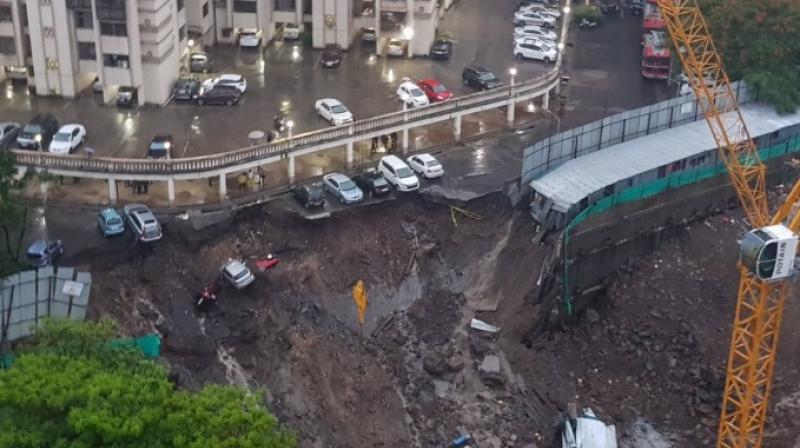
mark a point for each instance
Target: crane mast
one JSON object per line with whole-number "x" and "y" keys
{"x": 759, "y": 307}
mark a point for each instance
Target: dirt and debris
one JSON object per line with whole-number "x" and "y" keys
{"x": 649, "y": 358}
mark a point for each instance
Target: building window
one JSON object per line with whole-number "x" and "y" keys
{"x": 182, "y": 33}
{"x": 86, "y": 51}
{"x": 110, "y": 10}
{"x": 83, "y": 18}
{"x": 113, "y": 28}
{"x": 180, "y": 5}
{"x": 115, "y": 60}
{"x": 5, "y": 14}
{"x": 244, "y": 6}
{"x": 284, "y": 5}
{"x": 205, "y": 9}
{"x": 79, "y": 4}
{"x": 7, "y": 45}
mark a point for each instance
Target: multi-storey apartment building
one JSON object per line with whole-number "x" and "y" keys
{"x": 62, "y": 46}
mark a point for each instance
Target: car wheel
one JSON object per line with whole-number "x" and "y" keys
{"x": 518, "y": 55}
{"x": 201, "y": 102}
{"x": 547, "y": 60}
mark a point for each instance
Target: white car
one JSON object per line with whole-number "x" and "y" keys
{"x": 532, "y": 49}
{"x": 398, "y": 173}
{"x": 534, "y": 18}
{"x": 533, "y": 39}
{"x": 535, "y": 31}
{"x": 426, "y": 165}
{"x": 237, "y": 274}
{"x": 291, "y": 31}
{"x": 411, "y": 94}
{"x": 68, "y": 139}
{"x": 333, "y": 111}
{"x": 395, "y": 47}
{"x": 541, "y": 9}
{"x": 250, "y": 38}
{"x": 231, "y": 80}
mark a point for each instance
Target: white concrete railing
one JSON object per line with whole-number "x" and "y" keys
{"x": 306, "y": 142}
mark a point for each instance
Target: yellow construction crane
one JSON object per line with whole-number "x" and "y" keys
{"x": 766, "y": 252}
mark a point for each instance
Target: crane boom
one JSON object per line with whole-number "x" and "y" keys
{"x": 759, "y": 307}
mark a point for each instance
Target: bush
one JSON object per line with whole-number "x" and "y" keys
{"x": 590, "y": 13}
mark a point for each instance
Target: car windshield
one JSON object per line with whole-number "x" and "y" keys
{"x": 158, "y": 146}
{"x": 379, "y": 181}
{"x": 62, "y": 137}
{"x": 439, "y": 88}
{"x": 417, "y": 92}
{"x": 32, "y": 129}
{"x": 347, "y": 185}
{"x": 404, "y": 172}
{"x": 247, "y": 34}
{"x": 486, "y": 76}
{"x": 113, "y": 221}
{"x": 338, "y": 109}
{"x": 198, "y": 58}
{"x": 183, "y": 83}
{"x": 242, "y": 274}
{"x": 315, "y": 193}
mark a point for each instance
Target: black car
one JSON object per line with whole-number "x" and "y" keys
{"x": 637, "y": 8}
{"x": 219, "y": 94}
{"x": 309, "y": 196}
{"x": 479, "y": 78}
{"x": 8, "y": 134}
{"x": 331, "y": 56}
{"x": 441, "y": 49}
{"x": 159, "y": 147}
{"x": 373, "y": 183}
{"x": 187, "y": 88}
{"x": 609, "y": 6}
{"x": 44, "y": 125}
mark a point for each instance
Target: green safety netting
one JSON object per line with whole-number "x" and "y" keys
{"x": 149, "y": 345}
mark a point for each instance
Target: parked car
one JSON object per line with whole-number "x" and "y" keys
{"x": 127, "y": 97}
{"x": 434, "y": 90}
{"x": 368, "y": 34}
{"x": 160, "y": 147}
{"x": 186, "y": 88}
{"x": 110, "y": 223}
{"x": 396, "y": 47}
{"x": 518, "y": 40}
{"x": 143, "y": 223}
{"x": 413, "y": 96}
{"x": 44, "y": 253}
{"x": 44, "y": 125}
{"x": 291, "y": 31}
{"x": 609, "y": 6}
{"x": 479, "y": 78}
{"x": 231, "y": 80}
{"x": 541, "y": 9}
{"x": 537, "y": 2}
{"x": 237, "y": 274}
{"x": 534, "y": 18}
{"x": 333, "y": 111}
{"x": 398, "y": 173}
{"x": 68, "y": 139}
{"x": 8, "y": 133}
{"x": 331, "y": 56}
{"x": 342, "y": 188}
{"x": 372, "y": 182}
{"x": 426, "y": 165}
{"x": 535, "y": 32}
{"x": 637, "y": 7}
{"x": 535, "y": 49}
{"x": 309, "y": 195}
{"x": 219, "y": 94}
{"x": 200, "y": 63}
{"x": 250, "y": 38}
{"x": 441, "y": 49}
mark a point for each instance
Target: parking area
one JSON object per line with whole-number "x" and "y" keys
{"x": 285, "y": 75}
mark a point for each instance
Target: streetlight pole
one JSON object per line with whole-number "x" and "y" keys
{"x": 44, "y": 188}
{"x": 558, "y": 120}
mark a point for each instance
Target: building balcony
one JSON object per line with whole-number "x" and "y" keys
{"x": 115, "y": 76}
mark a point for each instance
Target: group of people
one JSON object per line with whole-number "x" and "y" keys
{"x": 252, "y": 180}
{"x": 387, "y": 142}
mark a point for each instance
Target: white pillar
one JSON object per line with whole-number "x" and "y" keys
{"x": 377, "y": 27}
{"x": 457, "y": 128}
{"x": 291, "y": 169}
{"x": 223, "y": 187}
{"x": 405, "y": 141}
{"x": 112, "y": 191}
{"x": 171, "y": 191}
{"x": 410, "y": 7}
{"x": 546, "y": 100}
{"x": 350, "y": 155}
{"x": 298, "y": 9}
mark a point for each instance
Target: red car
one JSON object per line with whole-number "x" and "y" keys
{"x": 434, "y": 90}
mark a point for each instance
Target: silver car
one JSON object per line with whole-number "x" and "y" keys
{"x": 343, "y": 188}
{"x": 237, "y": 274}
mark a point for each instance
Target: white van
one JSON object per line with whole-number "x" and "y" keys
{"x": 398, "y": 173}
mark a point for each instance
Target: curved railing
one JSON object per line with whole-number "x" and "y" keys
{"x": 366, "y": 128}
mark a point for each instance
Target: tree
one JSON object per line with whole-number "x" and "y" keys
{"x": 760, "y": 42}
{"x": 13, "y": 214}
{"x": 70, "y": 388}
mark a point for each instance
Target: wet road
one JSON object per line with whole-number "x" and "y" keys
{"x": 285, "y": 75}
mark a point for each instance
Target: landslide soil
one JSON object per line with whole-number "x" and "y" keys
{"x": 650, "y": 355}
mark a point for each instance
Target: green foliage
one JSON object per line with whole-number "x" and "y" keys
{"x": 589, "y": 12}
{"x": 760, "y": 42}
{"x": 69, "y": 388}
{"x": 13, "y": 214}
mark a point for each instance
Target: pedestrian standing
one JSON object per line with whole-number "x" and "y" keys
{"x": 385, "y": 143}
{"x": 89, "y": 152}
{"x": 262, "y": 177}
{"x": 242, "y": 181}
